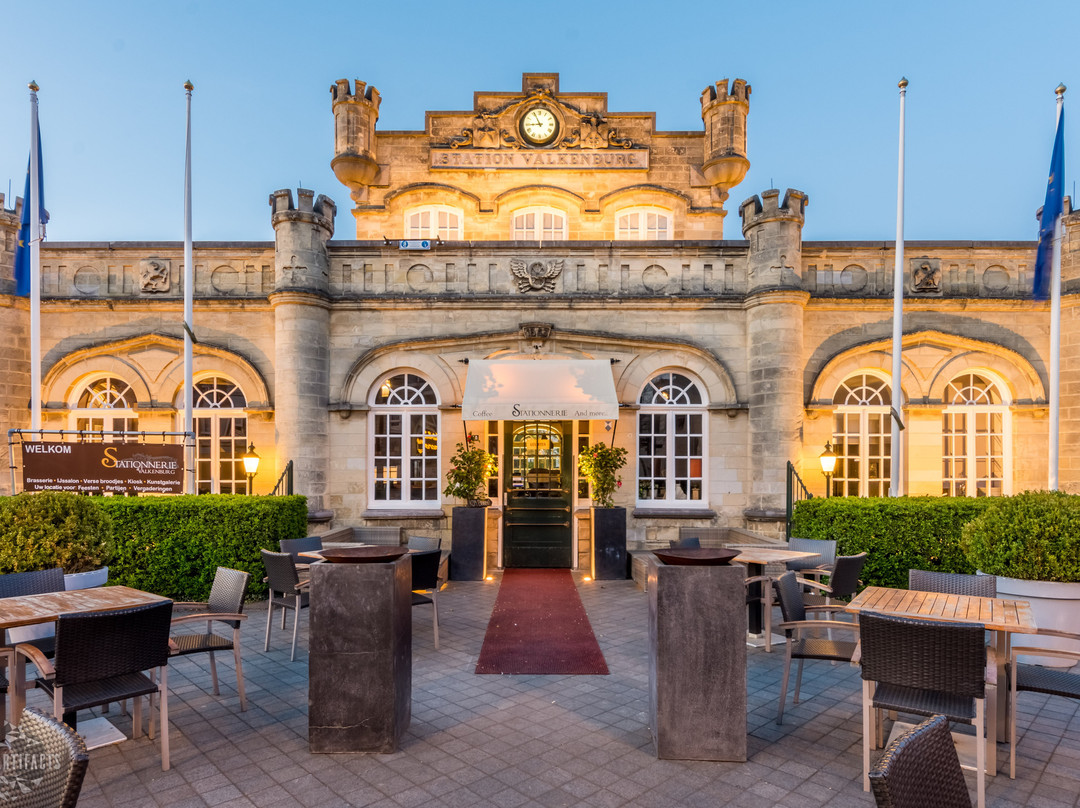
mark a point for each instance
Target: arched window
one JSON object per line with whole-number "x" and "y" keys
{"x": 973, "y": 438}
{"x": 221, "y": 436}
{"x": 405, "y": 442}
{"x": 538, "y": 224}
{"x": 430, "y": 221}
{"x": 106, "y": 405}
{"x": 862, "y": 437}
{"x": 643, "y": 224}
{"x": 671, "y": 443}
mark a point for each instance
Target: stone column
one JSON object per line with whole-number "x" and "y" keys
{"x": 14, "y": 336}
{"x": 1069, "y": 425}
{"x": 775, "y": 304}
{"x": 301, "y": 304}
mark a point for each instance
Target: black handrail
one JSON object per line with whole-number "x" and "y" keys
{"x": 796, "y": 492}
{"x": 286, "y": 481}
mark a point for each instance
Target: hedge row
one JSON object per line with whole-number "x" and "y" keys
{"x": 897, "y": 533}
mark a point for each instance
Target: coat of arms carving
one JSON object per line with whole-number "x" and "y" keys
{"x": 536, "y": 275}
{"x": 154, "y": 275}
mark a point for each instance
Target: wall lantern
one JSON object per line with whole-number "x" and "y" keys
{"x": 251, "y": 466}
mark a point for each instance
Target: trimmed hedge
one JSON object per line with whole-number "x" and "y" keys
{"x": 53, "y": 529}
{"x": 897, "y": 533}
{"x": 173, "y": 545}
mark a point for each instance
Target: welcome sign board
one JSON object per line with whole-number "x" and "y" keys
{"x": 103, "y": 467}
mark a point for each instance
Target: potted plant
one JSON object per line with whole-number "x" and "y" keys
{"x": 470, "y": 469}
{"x": 1031, "y": 542}
{"x": 600, "y": 465}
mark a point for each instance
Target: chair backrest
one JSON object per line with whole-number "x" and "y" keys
{"x": 685, "y": 543}
{"x": 227, "y": 593}
{"x": 921, "y": 768}
{"x": 379, "y": 534}
{"x": 296, "y": 546}
{"x": 924, "y": 654}
{"x": 91, "y": 646}
{"x": 42, "y": 738}
{"x": 789, "y": 593}
{"x": 280, "y": 572}
{"x": 825, "y": 549}
{"x": 38, "y": 582}
{"x": 425, "y": 569}
{"x": 425, "y": 543}
{"x": 844, "y": 580}
{"x": 953, "y": 583}
{"x": 708, "y": 536}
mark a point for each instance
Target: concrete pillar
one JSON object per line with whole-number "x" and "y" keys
{"x": 775, "y": 305}
{"x": 14, "y": 336}
{"x": 301, "y": 304}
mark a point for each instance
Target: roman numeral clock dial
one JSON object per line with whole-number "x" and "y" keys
{"x": 539, "y": 126}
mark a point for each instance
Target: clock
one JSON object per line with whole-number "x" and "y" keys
{"x": 539, "y": 126}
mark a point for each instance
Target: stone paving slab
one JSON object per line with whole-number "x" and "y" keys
{"x": 527, "y": 741}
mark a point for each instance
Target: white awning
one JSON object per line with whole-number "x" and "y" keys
{"x": 539, "y": 390}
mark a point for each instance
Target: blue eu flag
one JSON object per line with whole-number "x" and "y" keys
{"x": 22, "y": 247}
{"x": 1052, "y": 208}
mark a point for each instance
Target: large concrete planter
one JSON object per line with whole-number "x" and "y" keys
{"x": 609, "y": 544}
{"x": 468, "y": 544}
{"x": 1054, "y": 605}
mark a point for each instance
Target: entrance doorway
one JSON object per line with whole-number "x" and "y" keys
{"x": 537, "y": 481}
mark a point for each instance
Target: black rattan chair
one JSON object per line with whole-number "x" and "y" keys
{"x": 426, "y": 582}
{"x": 1039, "y": 679}
{"x": 286, "y": 592}
{"x": 303, "y": 545}
{"x": 923, "y": 668}
{"x": 102, "y": 657}
{"x": 953, "y": 583}
{"x": 843, "y": 581}
{"x": 801, "y": 633}
{"x": 920, "y": 769}
{"x": 37, "y": 582}
{"x": 226, "y": 605}
{"x": 424, "y": 543}
{"x": 40, "y": 737}
{"x": 825, "y": 549}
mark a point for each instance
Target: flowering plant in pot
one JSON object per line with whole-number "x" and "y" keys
{"x": 469, "y": 472}
{"x": 467, "y": 479}
{"x": 599, "y": 465}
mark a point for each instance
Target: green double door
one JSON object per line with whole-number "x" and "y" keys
{"x": 537, "y": 481}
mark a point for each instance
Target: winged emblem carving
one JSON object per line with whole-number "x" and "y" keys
{"x": 536, "y": 275}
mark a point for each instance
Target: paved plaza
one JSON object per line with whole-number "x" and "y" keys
{"x": 517, "y": 741}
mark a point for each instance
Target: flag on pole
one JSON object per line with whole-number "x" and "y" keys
{"x": 22, "y": 246}
{"x": 1052, "y": 209}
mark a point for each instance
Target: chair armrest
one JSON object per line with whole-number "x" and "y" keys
{"x": 759, "y": 579}
{"x": 305, "y": 584}
{"x": 222, "y": 616}
{"x": 1022, "y": 650}
{"x": 816, "y": 572}
{"x": 302, "y": 566}
{"x": 189, "y": 605}
{"x": 1051, "y": 632}
{"x": 41, "y": 662}
{"x": 836, "y": 607}
{"x": 814, "y": 585}
{"x": 801, "y": 624}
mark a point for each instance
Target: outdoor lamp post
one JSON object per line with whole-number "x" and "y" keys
{"x": 828, "y": 463}
{"x": 251, "y": 466}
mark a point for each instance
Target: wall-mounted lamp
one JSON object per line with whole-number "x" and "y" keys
{"x": 251, "y": 466}
{"x": 828, "y": 464}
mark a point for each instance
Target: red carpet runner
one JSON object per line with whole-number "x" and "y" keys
{"x": 539, "y": 626}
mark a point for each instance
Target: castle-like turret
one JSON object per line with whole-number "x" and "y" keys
{"x": 355, "y": 114}
{"x": 774, "y": 230}
{"x": 724, "y": 115}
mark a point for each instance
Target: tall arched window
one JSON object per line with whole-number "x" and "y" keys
{"x": 430, "y": 221}
{"x": 671, "y": 443}
{"x": 221, "y": 436}
{"x": 106, "y": 405}
{"x": 973, "y": 438}
{"x": 643, "y": 224}
{"x": 862, "y": 437}
{"x": 405, "y": 442}
{"x": 538, "y": 224}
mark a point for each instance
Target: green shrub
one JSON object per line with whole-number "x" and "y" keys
{"x": 47, "y": 529}
{"x": 1034, "y": 536}
{"x": 897, "y": 533}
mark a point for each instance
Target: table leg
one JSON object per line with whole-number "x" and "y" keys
{"x": 755, "y": 605}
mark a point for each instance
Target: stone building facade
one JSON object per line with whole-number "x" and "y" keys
{"x": 539, "y": 225}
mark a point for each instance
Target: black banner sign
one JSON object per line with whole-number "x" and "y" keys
{"x": 100, "y": 467}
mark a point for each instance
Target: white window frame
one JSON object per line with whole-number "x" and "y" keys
{"x": 431, "y": 221}
{"x": 221, "y": 398}
{"x": 633, "y": 224}
{"x": 866, "y": 403}
{"x": 975, "y": 411}
{"x": 405, "y": 403}
{"x": 679, "y": 404}
{"x": 112, "y": 400}
{"x": 529, "y": 224}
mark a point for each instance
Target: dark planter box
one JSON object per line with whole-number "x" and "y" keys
{"x": 609, "y": 544}
{"x": 467, "y": 544}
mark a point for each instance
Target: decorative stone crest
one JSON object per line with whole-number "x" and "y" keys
{"x": 154, "y": 276}
{"x": 536, "y": 275}
{"x": 926, "y": 276}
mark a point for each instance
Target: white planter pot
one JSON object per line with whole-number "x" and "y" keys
{"x": 1054, "y": 605}
{"x": 86, "y": 580}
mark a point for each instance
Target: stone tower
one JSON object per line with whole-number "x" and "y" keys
{"x": 724, "y": 115}
{"x": 355, "y": 114}
{"x": 14, "y": 333}
{"x": 301, "y": 304}
{"x": 775, "y": 304}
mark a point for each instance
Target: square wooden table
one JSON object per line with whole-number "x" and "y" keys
{"x": 755, "y": 559}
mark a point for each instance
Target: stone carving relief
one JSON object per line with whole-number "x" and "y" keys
{"x": 926, "y": 276}
{"x": 536, "y": 275}
{"x": 154, "y": 275}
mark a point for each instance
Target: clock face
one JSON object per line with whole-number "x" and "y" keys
{"x": 539, "y": 126}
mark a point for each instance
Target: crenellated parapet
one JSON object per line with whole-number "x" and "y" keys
{"x": 724, "y": 112}
{"x": 355, "y": 113}
{"x": 301, "y": 232}
{"x": 774, "y": 230}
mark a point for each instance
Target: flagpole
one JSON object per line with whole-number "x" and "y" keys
{"x": 898, "y": 311}
{"x": 1055, "y": 326}
{"x": 35, "y": 264}
{"x": 189, "y": 301}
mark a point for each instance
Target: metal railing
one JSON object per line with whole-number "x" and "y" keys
{"x": 284, "y": 486}
{"x": 796, "y": 492}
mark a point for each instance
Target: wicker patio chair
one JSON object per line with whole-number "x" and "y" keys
{"x": 953, "y": 583}
{"x": 925, "y": 668}
{"x": 426, "y": 582}
{"x": 920, "y": 768}
{"x": 1039, "y": 679}
{"x": 286, "y": 592}
{"x": 37, "y": 582}
{"x": 801, "y": 634}
{"x": 843, "y": 581}
{"x": 42, "y": 737}
{"x": 424, "y": 543}
{"x": 826, "y": 554}
{"x": 296, "y": 546}
{"x": 226, "y": 605}
{"x": 102, "y": 657}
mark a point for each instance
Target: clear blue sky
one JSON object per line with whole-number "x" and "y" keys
{"x": 823, "y": 116}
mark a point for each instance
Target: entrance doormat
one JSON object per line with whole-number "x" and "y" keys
{"x": 539, "y": 626}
